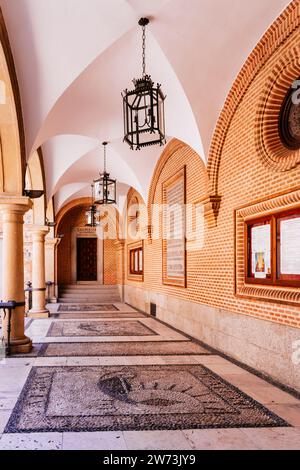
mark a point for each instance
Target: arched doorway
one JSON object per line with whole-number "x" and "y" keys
{"x": 86, "y": 254}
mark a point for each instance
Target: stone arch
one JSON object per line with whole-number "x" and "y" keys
{"x": 135, "y": 216}
{"x": 12, "y": 139}
{"x": 274, "y": 37}
{"x": 35, "y": 180}
{"x": 87, "y": 201}
{"x": 71, "y": 224}
{"x": 50, "y": 217}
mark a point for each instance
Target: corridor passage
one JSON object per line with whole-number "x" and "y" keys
{"x": 105, "y": 376}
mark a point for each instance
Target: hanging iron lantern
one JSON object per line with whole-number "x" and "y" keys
{"x": 92, "y": 214}
{"x": 105, "y": 187}
{"x": 143, "y": 108}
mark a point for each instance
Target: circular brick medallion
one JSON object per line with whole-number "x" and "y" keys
{"x": 277, "y": 132}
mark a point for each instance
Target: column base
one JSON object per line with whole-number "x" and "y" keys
{"x": 38, "y": 313}
{"x": 21, "y": 346}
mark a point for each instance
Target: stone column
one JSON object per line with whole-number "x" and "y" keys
{"x": 12, "y": 209}
{"x": 38, "y": 309}
{"x": 120, "y": 249}
{"x": 50, "y": 256}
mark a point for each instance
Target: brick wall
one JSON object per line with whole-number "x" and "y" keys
{"x": 243, "y": 178}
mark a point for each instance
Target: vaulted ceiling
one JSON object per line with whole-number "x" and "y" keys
{"x": 74, "y": 57}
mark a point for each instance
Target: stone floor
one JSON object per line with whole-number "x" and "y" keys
{"x": 204, "y": 400}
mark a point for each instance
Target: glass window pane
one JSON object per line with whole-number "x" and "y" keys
{"x": 136, "y": 261}
{"x": 111, "y": 194}
{"x": 141, "y": 261}
{"x": 290, "y": 245}
{"x": 98, "y": 188}
{"x": 261, "y": 251}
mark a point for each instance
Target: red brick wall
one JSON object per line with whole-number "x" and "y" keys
{"x": 243, "y": 178}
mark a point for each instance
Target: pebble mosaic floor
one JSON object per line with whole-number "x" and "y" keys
{"x": 159, "y": 391}
{"x": 78, "y": 315}
{"x": 99, "y": 328}
{"x": 59, "y": 399}
{"x": 117, "y": 349}
{"x": 87, "y": 307}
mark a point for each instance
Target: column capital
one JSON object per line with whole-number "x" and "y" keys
{"x": 15, "y": 204}
{"x": 52, "y": 242}
{"x": 38, "y": 230}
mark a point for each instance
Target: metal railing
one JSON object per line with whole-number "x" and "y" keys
{"x": 49, "y": 284}
{"x": 7, "y": 308}
{"x": 29, "y": 289}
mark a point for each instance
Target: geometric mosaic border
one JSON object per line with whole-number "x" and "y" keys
{"x": 133, "y": 398}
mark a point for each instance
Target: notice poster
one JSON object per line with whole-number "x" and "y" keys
{"x": 290, "y": 246}
{"x": 174, "y": 236}
{"x": 261, "y": 251}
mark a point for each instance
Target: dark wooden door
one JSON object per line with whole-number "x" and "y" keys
{"x": 86, "y": 259}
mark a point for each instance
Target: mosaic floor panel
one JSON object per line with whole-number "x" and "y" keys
{"x": 86, "y": 307}
{"x": 98, "y": 328}
{"x": 98, "y": 315}
{"x": 121, "y": 349}
{"x": 133, "y": 398}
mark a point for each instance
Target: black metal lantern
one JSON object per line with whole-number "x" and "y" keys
{"x": 92, "y": 214}
{"x": 143, "y": 108}
{"x": 105, "y": 187}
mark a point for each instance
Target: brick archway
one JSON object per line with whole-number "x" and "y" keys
{"x": 276, "y": 35}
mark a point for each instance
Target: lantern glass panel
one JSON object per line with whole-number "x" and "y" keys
{"x": 89, "y": 217}
{"x": 111, "y": 190}
{"x": 98, "y": 190}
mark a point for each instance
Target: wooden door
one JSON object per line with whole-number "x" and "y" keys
{"x": 86, "y": 259}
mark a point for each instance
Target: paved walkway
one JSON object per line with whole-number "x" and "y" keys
{"x": 116, "y": 379}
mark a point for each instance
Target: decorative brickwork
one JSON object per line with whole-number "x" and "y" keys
{"x": 269, "y": 145}
{"x": 242, "y": 174}
{"x": 279, "y": 32}
{"x": 269, "y": 206}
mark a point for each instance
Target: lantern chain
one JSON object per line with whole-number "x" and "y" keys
{"x": 144, "y": 50}
{"x": 104, "y": 146}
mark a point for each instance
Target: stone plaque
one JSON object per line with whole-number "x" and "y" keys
{"x": 174, "y": 230}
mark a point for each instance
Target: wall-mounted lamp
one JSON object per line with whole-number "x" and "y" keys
{"x": 34, "y": 193}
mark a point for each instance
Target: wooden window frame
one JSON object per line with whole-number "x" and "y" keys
{"x": 132, "y": 248}
{"x": 132, "y": 254}
{"x": 276, "y": 278}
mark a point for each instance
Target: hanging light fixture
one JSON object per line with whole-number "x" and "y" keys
{"x": 105, "y": 187}
{"x": 143, "y": 108}
{"x": 92, "y": 214}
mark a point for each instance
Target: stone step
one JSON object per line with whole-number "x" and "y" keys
{"x": 71, "y": 289}
{"x": 87, "y": 293}
{"x": 88, "y": 285}
{"x": 87, "y": 300}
